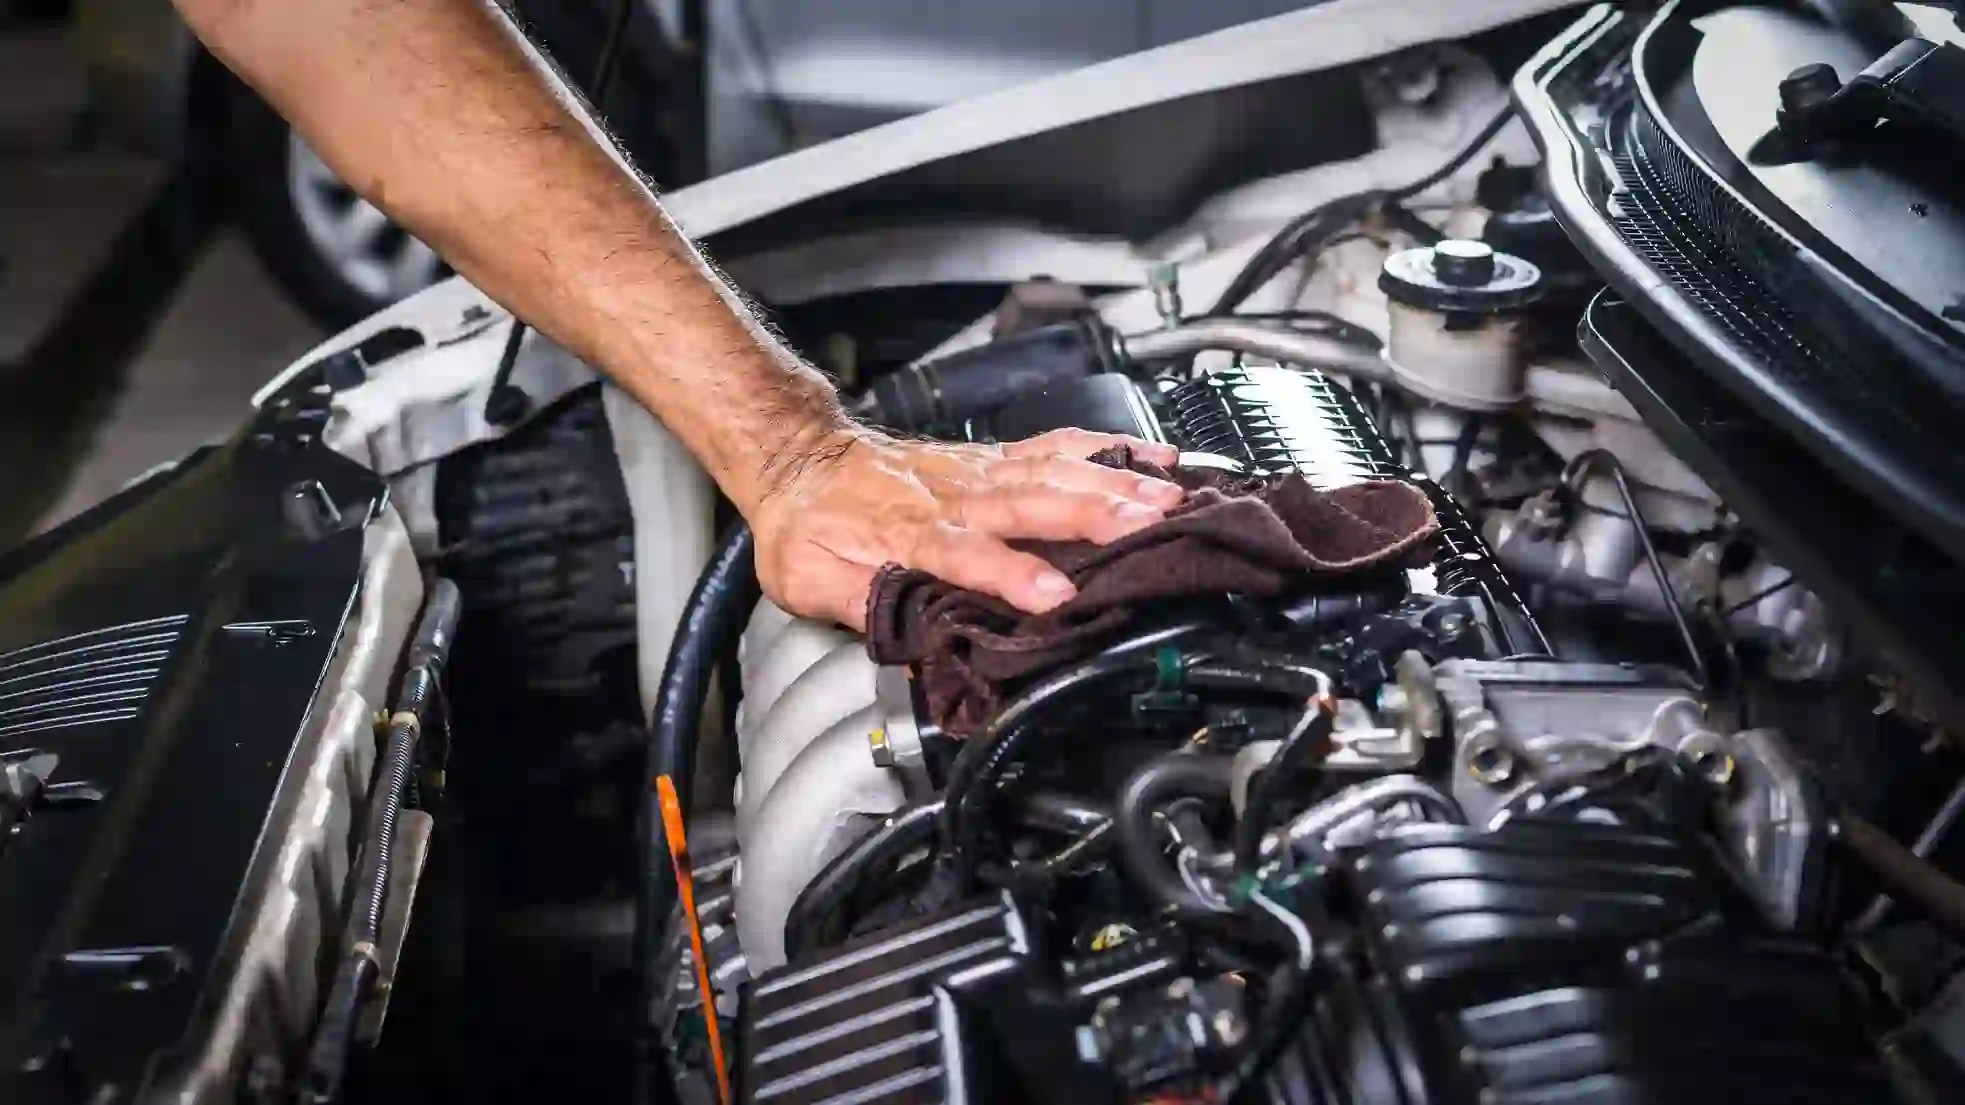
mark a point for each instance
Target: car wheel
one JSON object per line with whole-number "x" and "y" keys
{"x": 337, "y": 254}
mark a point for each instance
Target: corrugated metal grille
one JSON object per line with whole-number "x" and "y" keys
{"x": 94, "y": 678}
{"x": 861, "y": 1026}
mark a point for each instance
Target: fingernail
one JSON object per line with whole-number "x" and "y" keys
{"x": 1131, "y": 510}
{"x": 1054, "y": 585}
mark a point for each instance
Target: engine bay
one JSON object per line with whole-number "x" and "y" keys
{"x": 1632, "y": 777}
{"x": 1157, "y": 872}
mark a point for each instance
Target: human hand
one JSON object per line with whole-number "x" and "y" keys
{"x": 859, "y": 500}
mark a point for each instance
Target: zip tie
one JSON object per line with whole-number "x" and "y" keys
{"x": 685, "y": 885}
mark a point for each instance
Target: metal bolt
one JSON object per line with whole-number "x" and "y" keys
{"x": 1490, "y": 764}
{"x": 1710, "y": 757}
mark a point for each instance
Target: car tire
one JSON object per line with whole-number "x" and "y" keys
{"x": 340, "y": 258}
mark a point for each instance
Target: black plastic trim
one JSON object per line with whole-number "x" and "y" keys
{"x": 1925, "y": 491}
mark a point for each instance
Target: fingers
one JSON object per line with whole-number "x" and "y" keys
{"x": 1062, "y": 473}
{"x": 1049, "y": 513}
{"x": 1083, "y": 443}
{"x": 972, "y": 560}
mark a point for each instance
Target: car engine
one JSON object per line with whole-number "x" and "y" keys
{"x": 1540, "y": 816}
{"x": 1636, "y": 780}
{"x": 1498, "y": 876}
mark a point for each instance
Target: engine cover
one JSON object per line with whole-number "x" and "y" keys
{"x": 189, "y": 676}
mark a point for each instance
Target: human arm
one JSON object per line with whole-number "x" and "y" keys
{"x": 436, "y": 111}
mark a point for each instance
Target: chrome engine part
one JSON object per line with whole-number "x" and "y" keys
{"x": 1520, "y": 725}
{"x": 1522, "y": 730}
{"x": 808, "y": 734}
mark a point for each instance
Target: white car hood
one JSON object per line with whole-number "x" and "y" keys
{"x": 1332, "y": 34}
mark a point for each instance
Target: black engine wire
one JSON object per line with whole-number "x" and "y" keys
{"x": 1311, "y": 231}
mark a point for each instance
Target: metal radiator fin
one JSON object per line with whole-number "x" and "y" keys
{"x": 94, "y": 678}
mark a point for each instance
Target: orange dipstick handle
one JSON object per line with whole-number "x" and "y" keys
{"x": 685, "y": 883}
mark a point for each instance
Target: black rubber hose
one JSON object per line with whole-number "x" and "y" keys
{"x": 1488, "y": 133}
{"x": 1308, "y": 232}
{"x": 1282, "y": 1015}
{"x": 972, "y": 777}
{"x": 983, "y": 760}
{"x": 1259, "y": 671}
{"x": 816, "y": 915}
{"x": 1158, "y": 781}
{"x": 711, "y": 622}
{"x": 1062, "y": 813}
{"x": 1304, "y": 234}
{"x": 1303, "y": 750}
{"x": 974, "y": 382}
{"x": 1906, "y": 876}
{"x": 1038, "y": 876}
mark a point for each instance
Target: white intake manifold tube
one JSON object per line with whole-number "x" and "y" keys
{"x": 810, "y": 785}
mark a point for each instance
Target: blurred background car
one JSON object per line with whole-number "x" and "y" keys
{"x": 706, "y": 86}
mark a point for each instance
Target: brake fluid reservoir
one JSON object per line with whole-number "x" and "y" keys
{"x": 1455, "y": 318}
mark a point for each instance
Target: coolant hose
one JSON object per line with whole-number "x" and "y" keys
{"x": 1158, "y": 781}
{"x": 710, "y": 624}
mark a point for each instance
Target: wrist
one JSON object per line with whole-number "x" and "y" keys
{"x": 816, "y": 439}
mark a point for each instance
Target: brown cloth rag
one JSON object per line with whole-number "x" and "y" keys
{"x": 1258, "y": 536}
